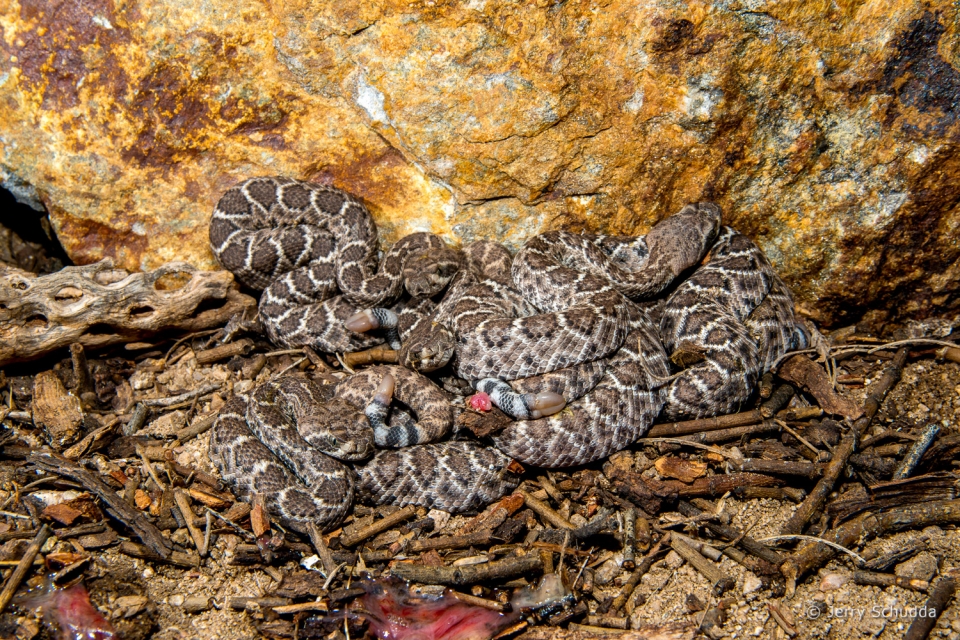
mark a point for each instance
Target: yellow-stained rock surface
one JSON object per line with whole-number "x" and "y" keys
{"x": 827, "y": 131}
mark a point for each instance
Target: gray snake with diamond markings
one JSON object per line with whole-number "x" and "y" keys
{"x": 588, "y": 324}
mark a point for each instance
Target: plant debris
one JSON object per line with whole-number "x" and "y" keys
{"x": 844, "y": 467}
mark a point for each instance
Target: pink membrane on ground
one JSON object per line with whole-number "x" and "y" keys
{"x": 71, "y": 612}
{"x": 480, "y": 402}
{"x": 396, "y": 614}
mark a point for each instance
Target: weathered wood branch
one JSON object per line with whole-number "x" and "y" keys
{"x": 96, "y": 305}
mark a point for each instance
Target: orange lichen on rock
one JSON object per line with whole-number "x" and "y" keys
{"x": 827, "y": 133}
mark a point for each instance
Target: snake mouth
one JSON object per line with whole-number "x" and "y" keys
{"x": 427, "y": 285}
{"x": 429, "y": 359}
{"x": 354, "y": 451}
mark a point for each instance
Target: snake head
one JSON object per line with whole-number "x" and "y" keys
{"x": 428, "y": 350}
{"x": 427, "y": 274}
{"x": 339, "y": 430}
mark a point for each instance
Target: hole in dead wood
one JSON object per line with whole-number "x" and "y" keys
{"x": 210, "y": 304}
{"x": 37, "y": 321}
{"x": 141, "y": 311}
{"x": 101, "y": 328}
{"x": 172, "y": 281}
{"x": 68, "y": 293}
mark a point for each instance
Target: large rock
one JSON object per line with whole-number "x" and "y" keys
{"x": 826, "y": 132}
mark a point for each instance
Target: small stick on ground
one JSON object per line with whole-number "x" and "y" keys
{"x": 778, "y": 467}
{"x": 725, "y": 422}
{"x": 323, "y": 552}
{"x": 718, "y": 581}
{"x": 93, "y": 440}
{"x": 259, "y": 517}
{"x": 242, "y": 603}
{"x": 183, "y": 503}
{"x": 189, "y": 395}
{"x": 544, "y": 510}
{"x": 782, "y": 618}
{"x": 941, "y": 596}
{"x": 137, "y": 420}
{"x": 253, "y": 366}
{"x": 26, "y": 562}
{"x": 902, "y": 553}
{"x": 303, "y": 606}
{"x": 867, "y": 526}
{"x": 816, "y": 452}
{"x": 775, "y": 493}
{"x": 766, "y": 385}
{"x": 145, "y": 460}
{"x": 478, "y": 538}
{"x": 493, "y": 605}
{"x": 470, "y": 574}
{"x": 374, "y": 528}
{"x": 175, "y": 558}
{"x": 494, "y": 515}
{"x": 239, "y": 348}
{"x": 716, "y": 485}
{"x": 115, "y": 505}
{"x": 891, "y": 375}
{"x": 370, "y": 356}
{"x": 316, "y": 360}
{"x": 777, "y": 400}
{"x": 884, "y": 580}
{"x": 196, "y": 604}
{"x": 566, "y": 615}
{"x": 200, "y": 425}
{"x": 919, "y": 447}
{"x": 949, "y": 353}
{"x": 704, "y": 548}
{"x": 847, "y": 446}
{"x": 629, "y": 539}
{"x": 208, "y": 528}
{"x": 547, "y": 558}
{"x": 608, "y": 621}
{"x": 745, "y": 542}
{"x": 627, "y": 589}
{"x": 81, "y": 369}
{"x": 734, "y": 433}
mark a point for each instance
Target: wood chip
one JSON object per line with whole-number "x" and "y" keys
{"x": 683, "y": 470}
{"x": 98, "y": 540}
{"x": 55, "y": 410}
{"x": 208, "y": 499}
{"x": 142, "y": 499}
{"x": 259, "y": 520}
{"x": 62, "y": 513}
{"x": 804, "y": 372}
{"x": 237, "y": 512}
